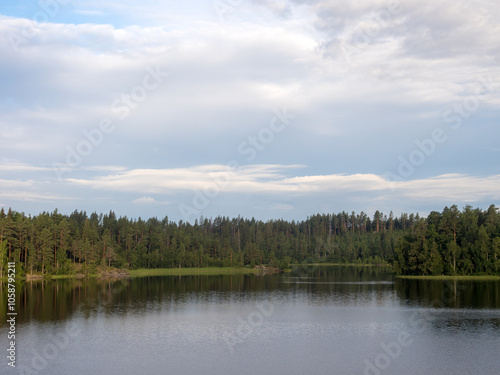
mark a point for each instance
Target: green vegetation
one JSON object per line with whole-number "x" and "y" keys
{"x": 56, "y": 277}
{"x": 451, "y": 243}
{"x": 193, "y": 271}
{"x": 360, "y": 264}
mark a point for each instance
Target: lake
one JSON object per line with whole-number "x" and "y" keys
{"x": 314, "y": 320}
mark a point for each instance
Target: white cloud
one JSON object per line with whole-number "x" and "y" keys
{"x": 105, "y": 168}
{"x": 15, "y": 183}
{"x": 225, "y": 71}
{"x": 13, "y": 166}
{"x": 148, "y": 201}
{"x": 453, "y": 187}
{"x": 167, "y": 181}
{"x": 271, "y": 179}
{"x": 30, "y": 196}
{"x": 353, "y": 117}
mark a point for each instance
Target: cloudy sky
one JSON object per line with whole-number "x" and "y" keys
{"x": 264, "y": 108}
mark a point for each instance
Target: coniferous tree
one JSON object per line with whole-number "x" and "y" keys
{"x": 449, "y": 242}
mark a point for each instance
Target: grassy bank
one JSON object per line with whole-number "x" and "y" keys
{"x": 116, "y": 273}
{"x": 339, "y": 264}
{"x": 57, "y": 277}
{"x": 193, "y": 271}
{"x": 442, "y": 277}
{"x": 48, "y": 277}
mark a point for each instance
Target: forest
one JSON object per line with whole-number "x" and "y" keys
{"x": 451, "y": 242}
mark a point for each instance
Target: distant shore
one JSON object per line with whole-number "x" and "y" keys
{"x": 449, "y": 277}
{"x": 200, "y": 271}
{"x": 114, "y": 273}
{"x": 341, "y": 264}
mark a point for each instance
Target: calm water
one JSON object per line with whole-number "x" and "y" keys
{"x": 315, "y": 320}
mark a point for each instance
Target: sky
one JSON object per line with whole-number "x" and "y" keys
{"x": 266, "y": 108}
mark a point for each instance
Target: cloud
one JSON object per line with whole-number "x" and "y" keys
{"x": 271, "y": 179}
{"x": 29, "y": 196}
{"x": 353, "y": 116}
{"x": 276, "y": 207}
{"x": 105, "y": 168}
{"x": 167, "y": 181}
{"x": 90, "y": 12}
{"x": 147, "y": 201}
{"x": 453, "y": 187}
{"x": 424, "y": 29}
{"x": 279, "y": 8}
{"x": 230, "y": 73}
{"x": 14, "y": 183}
{"x": 429, "y": 48}
{"x": 9, "y": 166}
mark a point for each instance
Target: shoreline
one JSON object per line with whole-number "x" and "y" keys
{"x": 220, "y": 271}
{"x": 340, "y": 264}
{"x": 213, "y": 271}
{"x": 122, "y": 273}
{"x": 451, "y": 277}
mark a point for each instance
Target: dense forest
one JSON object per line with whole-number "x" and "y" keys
{"x": 450, "y": 242}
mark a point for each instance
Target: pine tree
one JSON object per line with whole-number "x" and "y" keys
{"x": 46, "y": 250}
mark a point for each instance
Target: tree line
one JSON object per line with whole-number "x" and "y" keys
{"x": 448, "y": 242}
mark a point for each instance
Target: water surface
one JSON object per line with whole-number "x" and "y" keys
{"x": 315, "y": 320}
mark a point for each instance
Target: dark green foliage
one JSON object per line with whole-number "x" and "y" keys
{"x": 450, "y": 242}
{"x": 453, "y": 243}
